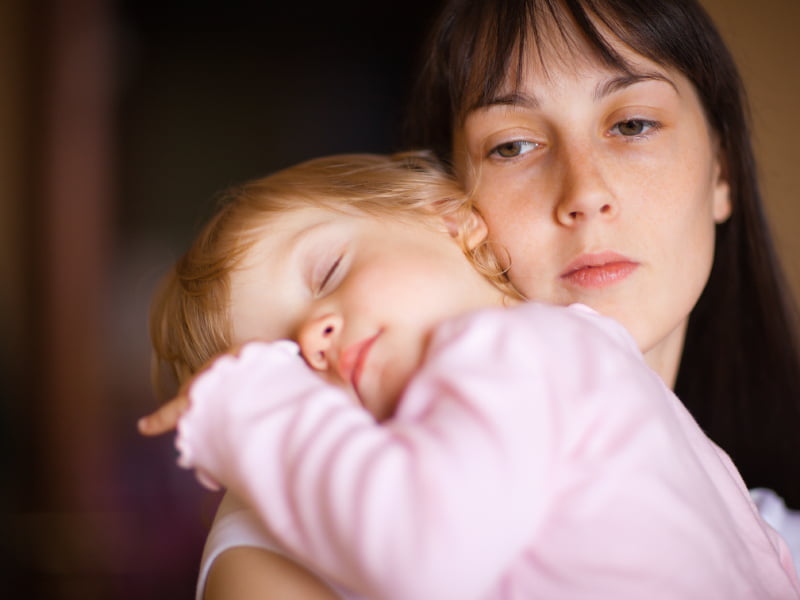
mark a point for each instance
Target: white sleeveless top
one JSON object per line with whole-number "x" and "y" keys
{"x": 235, "y": 526}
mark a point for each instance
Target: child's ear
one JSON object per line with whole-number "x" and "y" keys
{"x": 474, "y": 230}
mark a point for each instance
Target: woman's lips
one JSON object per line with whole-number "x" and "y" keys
{"x": 598, "y": 270}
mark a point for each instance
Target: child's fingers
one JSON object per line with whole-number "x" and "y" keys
{"x": 164, "y": 419}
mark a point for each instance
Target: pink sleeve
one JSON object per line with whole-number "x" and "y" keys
{"x": 439, "y": 501}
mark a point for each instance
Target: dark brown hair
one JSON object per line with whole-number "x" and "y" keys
{"x": 740, "y": 369}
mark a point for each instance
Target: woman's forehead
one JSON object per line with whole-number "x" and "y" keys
{"x": 545, "y": 49}
{"x": 551, "y": 63}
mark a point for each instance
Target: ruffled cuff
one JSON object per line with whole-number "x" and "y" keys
{"x": 225, "y": 377}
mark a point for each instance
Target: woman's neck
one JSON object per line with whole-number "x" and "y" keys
{"x": 665, "y": 357}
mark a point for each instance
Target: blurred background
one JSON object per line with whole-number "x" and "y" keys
{"x": 119, "y": 122}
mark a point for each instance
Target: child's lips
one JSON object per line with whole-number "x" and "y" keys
{"x": 352, "y": 360}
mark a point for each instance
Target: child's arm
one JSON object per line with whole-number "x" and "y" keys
{"x": 387, "y": 511}
{"x": 395, "y": 511}
{"x": 242, "y": 572}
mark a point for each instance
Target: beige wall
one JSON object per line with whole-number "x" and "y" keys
{"x": 764, "y": 36}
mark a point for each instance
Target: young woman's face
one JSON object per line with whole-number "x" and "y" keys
{"x": 603, "y": 189}
{"x": 359, "y": 294}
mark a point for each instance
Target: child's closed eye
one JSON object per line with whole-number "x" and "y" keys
{"x": 328, "y": 277}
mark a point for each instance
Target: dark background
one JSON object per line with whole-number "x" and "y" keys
{"x": 130, "y": 117}
{"x": 214, "y": 92}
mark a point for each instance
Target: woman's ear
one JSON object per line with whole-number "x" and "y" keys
{"x": 722, "y": 197}
{"x": 473, "y": 230}
{"x": 721, "y": 201}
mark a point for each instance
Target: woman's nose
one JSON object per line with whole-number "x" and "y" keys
{"x": 585, "y": 192}
{"x": 316, "y": 339}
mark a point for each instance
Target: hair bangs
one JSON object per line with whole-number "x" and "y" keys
{"x": 508, "y": 35}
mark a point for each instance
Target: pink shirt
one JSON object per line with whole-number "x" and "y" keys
{"x": 534, "y": 455}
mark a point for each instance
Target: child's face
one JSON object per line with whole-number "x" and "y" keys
{"x": 359, "y": 294}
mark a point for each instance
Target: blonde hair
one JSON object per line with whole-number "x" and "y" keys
{"x": 189, "y": 317}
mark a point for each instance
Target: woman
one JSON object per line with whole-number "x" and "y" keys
{"x": 607, "y": 146}
{"x": 739, "y": 369}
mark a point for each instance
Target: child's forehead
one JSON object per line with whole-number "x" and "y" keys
{"x": 274, "y": 232}
{"x": 277, "y": 234}
{"x": 297, "y": 220}
{"x": 288, "y": 224}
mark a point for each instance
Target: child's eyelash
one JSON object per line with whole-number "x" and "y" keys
{"x": 330, "y": 274}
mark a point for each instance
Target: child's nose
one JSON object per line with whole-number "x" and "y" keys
{"x": 316, "y": 340}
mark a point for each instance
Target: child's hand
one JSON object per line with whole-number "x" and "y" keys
{"x": 165, "y": 419}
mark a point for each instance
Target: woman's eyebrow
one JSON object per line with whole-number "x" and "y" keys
{"x": 608, "y": 87}
{"x": 515, "y": 99}
{"x": 518, "y": 99}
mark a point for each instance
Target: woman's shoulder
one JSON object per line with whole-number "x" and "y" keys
{"x": 235, "y": 526}
{"x": 242, "y": 561}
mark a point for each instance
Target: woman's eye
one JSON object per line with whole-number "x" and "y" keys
{"x": 634, "y": 127}
{"x": 513, "y": 149}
